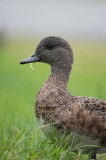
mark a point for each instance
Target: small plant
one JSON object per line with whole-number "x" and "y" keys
{"x": 26, "y": 144}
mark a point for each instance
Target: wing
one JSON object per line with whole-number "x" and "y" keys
{"x": 85, "y": 117}
{"x": 96, "y": 106}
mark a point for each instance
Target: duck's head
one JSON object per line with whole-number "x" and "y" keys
{"x": 54, "y": 51}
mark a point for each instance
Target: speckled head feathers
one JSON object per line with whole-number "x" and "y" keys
{"x": 58, "y": 53}
{"x": 54, "y": 49}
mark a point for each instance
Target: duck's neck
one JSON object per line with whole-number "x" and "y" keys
{"x": 60, "y": 75}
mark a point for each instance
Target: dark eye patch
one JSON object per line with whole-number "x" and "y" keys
{"x": 49, "y": 46}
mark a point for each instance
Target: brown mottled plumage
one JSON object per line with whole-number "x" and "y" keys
{"x": 83, "y": 117}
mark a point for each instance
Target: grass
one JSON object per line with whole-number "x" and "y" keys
{"x": 20, "y": 135}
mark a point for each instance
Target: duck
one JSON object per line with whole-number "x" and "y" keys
{"x": 82, "y": 117}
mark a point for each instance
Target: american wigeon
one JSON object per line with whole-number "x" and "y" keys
{"x": 83, "y": 117}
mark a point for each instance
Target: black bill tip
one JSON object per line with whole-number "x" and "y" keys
{"x": 24, "y": 62}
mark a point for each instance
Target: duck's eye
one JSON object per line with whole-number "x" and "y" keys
{"x": 49, "y": 46}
